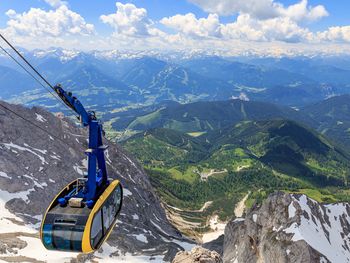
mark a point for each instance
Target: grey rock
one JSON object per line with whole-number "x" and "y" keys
{"x": 289, "y": 228}
{"x": 39, "y": 165}
{"x": 197, "y": 254}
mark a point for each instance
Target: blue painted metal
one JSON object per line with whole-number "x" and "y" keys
{"x": 97, "y": 179}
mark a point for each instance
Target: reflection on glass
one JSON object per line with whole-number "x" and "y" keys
{"x": 67, "y": 237}
{"x": 96, "y": 229}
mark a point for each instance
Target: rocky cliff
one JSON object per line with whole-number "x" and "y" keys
{"x": 35, "y": 165}
{"x": 290, "y": 228}
{"x": 286, "y": 228}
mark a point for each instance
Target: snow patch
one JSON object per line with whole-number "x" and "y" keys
{"x": 135, "y": 217}
{"x": 291, "y": 210}
{"x": 11, "y": 145}
{"x": 126, "y": 192}
{"x": 40, "y": 118}
{"x": 217, "y": 229}
{"x": 255, "y": 217}
{"x": 141, "y": 237}
{"x": 2, "y": 174}
{"x": 333, "y": 247}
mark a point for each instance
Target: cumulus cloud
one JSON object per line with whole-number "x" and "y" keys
{"x": 301, "y": 11}
{"x": 275, "y": 29}
{"x": 257, "y": 20}
{"x": 244, "y": 28}
{"x": 130, "y": 20}
{"x": 190, "y": 25}
{"x": 54, "y": 23}
{"x": 261, "y": 24}
{"x": 263, "y": 9}
{"x": 335, "y": 34}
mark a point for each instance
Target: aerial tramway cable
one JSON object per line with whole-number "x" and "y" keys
{"x": 26, "y": 61}
{"x": 84, "y": 243}
{"x": 29, "y": 73}
{"x": 35, "y": 125}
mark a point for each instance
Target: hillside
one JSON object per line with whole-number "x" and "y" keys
{"x": 206, "y": 116}
{"x": 333, "y": 118}
{"x": 35, "y": 165}
{"x": 248, "y": 158}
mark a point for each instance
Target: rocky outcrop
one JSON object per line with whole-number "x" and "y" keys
{"x": 290, "y": 228}
{"x": 198, "y": 254}
{"x": 35, "y": 165}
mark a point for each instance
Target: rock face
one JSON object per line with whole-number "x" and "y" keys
{"x": 198, "y": 254}
{"x": 290, "y": 228}
{"x": 35, "y": 165}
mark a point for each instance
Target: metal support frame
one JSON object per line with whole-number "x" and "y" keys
{"x": 97, "y": 179}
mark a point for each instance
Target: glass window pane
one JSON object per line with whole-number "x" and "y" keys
{"x": 96, "y": 229}
{"x": 111, "y": 208}
{"x": 66, "y": 237}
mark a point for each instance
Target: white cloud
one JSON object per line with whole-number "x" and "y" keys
{"x": 263, "y": 9}
{"x": 301, "y": 11}
{"x": 275, "y": 29}
{"x": 56, "y": 3}
{"x": 257, "y": 20}
{"x": 244, "y": 28}
{"x": 335, "y": 34}
{"x": 130, "y": 20}
{"x": 54, "y": 23}
{"x": 261, "y": 26}
{"x": 189, "y": 25}
{"x": 258, "y": 8}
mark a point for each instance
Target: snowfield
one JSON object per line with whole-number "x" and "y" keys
{"x": 328, "y": 237}
{"x": 14, "y": 226}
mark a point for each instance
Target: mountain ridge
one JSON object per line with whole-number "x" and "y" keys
{"x": 33, "y": 171}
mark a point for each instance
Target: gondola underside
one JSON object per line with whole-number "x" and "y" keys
{"x": 81, "y": 229}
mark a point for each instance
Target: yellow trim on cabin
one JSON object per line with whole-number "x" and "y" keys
{"x": 86, "y": 241}
{"x": 50, "y": 206}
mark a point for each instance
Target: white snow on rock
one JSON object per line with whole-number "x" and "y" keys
{"x": 255, "y": 217}
{"x": 6, "y": 225}
{"x": 11, "y": 145}
{"x": 315, "y": 232}
{"x": 78, "y": 169}
{"x": 217, "y": 229}
{"x": 106, "y": 256}
{"x": 135, "y": 217}
{"x": 126, "y": 192}
{"x": 142, "y": 238}
{"x": 2, "y": 174}
{"x": 40, "y": 118}
{"x": 36, "y": 251}
{"x": 291, "y": 210}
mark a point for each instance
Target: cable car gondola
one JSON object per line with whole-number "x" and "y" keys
{"x": 82, "y": 216}
{"x": 81, "y": 229}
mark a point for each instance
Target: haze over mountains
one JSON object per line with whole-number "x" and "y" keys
{"x": 215, "y": 135}
{"x": 128, "y": 79}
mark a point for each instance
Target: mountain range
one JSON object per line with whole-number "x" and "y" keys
{"x": 222, "y": 151}
{"x": 300, "y": 227}
{"x": 109, "y": 80}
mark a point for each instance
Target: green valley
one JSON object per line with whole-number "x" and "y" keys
{"x": 225, "y": 164}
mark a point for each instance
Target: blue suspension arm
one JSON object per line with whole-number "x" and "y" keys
{"x": 97, "y": 172}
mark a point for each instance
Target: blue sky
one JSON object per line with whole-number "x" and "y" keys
{"x": 157, "y": 9}
{"x": 176, "y": 23}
